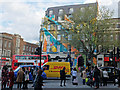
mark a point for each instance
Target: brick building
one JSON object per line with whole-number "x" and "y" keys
{"x": 14, "y": 44}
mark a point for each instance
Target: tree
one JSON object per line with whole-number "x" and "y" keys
{"x": 88, "y": 24}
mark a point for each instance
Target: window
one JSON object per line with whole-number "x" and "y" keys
{"x": 0, "y": 52}
{"x": 5, "y": 43}
{"x": 69, "y": 37}
{"x": 46, "y": 67}
{"x": 58, "y": 48}
{"x": 48, "y": 48}
{"x": 104, "y": 38}
{"x": 9, "y": 44}
{"x": 9, "y": 53}
{"x": 43, "y": 57}
{"x": 51, "y": 12}
{"x": 32, "y": 49}
{"x": 99, "y": 48}
{"x": 60, "y": 11}
{"x": 0, "y": 42}
{"x": 116, "y": 37}
{"x": 24, "y": 48}
{"x": 59, "y": 27}
{"x": 29, "y": 48}
{"x": 111, "y": 37}
{"x": 58, "y": 37}
{"x": 71, "y": 10}
{"x": 82, "y": 9}
{"x": 70, "y": 16}
{"x": 49, "y": 27}
{"x": 90, "y": 8}
{"x": 59, "y": 18}
{"x": 48, "y": 38}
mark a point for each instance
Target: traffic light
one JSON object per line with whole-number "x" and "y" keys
{"x": 111, "y": 56}
{"x": 80, "y": 61}
{"x": 117, "y": 53}
{"x": 37, "y": 52}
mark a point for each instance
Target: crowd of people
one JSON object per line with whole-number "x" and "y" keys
{"x": 93, "y": 77}
{"x": 22, "y": 79}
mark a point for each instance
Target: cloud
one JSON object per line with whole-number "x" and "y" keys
{"x": 112, "y": 5}
{"x": 24, "y": 16}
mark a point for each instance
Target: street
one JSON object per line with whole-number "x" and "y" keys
{"x": 55, "y": 84}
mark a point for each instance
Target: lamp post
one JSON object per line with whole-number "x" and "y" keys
{"x": 40, "y": 45}
{"x": 40, "y": 52}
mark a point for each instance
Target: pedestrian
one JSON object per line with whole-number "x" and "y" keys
{"x": 74, "y": 74}
{"x": 11, "y": 78}
{"x": 5, "y": 76}
{"x": 101, "y": 77}
{"x": 20, "y": 76}
{"x": 83, "y": 75}
{"x": 119, "y": 78}
{"x": 39, "y": 81}
{"x": 35, "y": 75}
{"x": 96, "y": 77}
{"x": 62, "y": 76}
{"x": 105, "y": 77}
{"x": 23, "y": 86}
{"x": 26, "y": 79}
{"x": 91, "y": 76}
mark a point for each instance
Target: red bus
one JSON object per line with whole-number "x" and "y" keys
{"x": 29, "y": 60}
{"x": 5, "y": 61}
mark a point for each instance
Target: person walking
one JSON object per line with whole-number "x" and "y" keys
{"x": 5, "y": 76}
{"x": 74, "y": 74}
{"x": 11, "y": 78}
{"x": 105, "y": 77}
{"x": 83, "y": 75}
{"x": 91, "y": 76}
{"x": 62, "y": 76}
{"x": 101, "y": 77}
{"x": 97, "y": 77}
{"x": 119, "y": 78}
{"x": 39, "y": 81}
{"x": 20, "y": 76}
{"x": 23, "y": 86}
{"x": 26, "y": 79}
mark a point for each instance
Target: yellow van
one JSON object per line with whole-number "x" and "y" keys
{"x": 52, "y": 69}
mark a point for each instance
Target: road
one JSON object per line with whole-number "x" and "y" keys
{"x": 55, "y": 84}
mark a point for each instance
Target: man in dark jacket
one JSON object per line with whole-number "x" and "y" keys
{"x": 39, "y": 81}
{"x": 119, "y": 79}
{"x": 97, "y": 76}
{"x": 62, "y": 76}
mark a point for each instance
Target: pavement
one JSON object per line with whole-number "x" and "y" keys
{"x": 55, "y": 85}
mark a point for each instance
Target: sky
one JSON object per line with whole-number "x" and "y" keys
{"x": 24, "y": 17}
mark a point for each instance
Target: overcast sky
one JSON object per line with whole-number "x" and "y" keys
{"x": 24, "y": 16}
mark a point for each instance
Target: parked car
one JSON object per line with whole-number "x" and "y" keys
{"x": 113, "y": 73}
{"x": 30, "y": 75}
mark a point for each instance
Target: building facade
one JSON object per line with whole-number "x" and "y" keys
{"x": 55, "y": 41}
{"x": 14, "y": 45}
